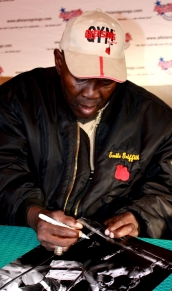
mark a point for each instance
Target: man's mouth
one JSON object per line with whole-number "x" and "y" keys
{"x": 86, "y": 110}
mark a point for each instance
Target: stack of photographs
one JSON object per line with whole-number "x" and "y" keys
{"x": 95, "y": 264}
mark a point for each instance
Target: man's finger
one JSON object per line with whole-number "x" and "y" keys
{"x": 122, "y": 225}
{"x": 129, "y": 229}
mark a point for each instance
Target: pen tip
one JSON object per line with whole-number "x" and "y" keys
{"x": 85, "y": 236}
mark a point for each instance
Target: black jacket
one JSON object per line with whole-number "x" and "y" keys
{"x": 44, "y": 155}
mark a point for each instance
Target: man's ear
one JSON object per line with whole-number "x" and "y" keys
{"x": 58, "y": 55}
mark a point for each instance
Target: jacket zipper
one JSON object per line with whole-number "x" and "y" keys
{"x": 94, "y": 149}
{"x": 78, "y": 203}
{"x": 75, "y": 167}
{"x": 76, "y": 208}
{"x": 90, "y": 178}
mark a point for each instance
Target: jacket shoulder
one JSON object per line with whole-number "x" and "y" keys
{"x": 145, "y": 100}
{"x": 144, "y": 94}
{"x": 24, "y": 82}
{"x": 36, "y": 74}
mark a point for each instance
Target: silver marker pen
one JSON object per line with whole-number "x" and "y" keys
{"x": 59, "y": 223}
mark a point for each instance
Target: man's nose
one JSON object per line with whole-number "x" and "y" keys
{"x": 91, "y": 89}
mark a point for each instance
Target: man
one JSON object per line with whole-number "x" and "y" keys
{"x": 79, "y": 140}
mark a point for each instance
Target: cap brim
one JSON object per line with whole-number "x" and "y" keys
{"x": 92, "y": 66}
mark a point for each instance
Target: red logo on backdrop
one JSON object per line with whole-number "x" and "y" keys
{"x": 128, "y": 37}
{"x": 122, "y": 173}
{"x": 127, "y": 40}
{"x": 66, "y": 15}
{"x": 164, "y": 10}
{"x": 165, "y": 65}
{"x": 1, "y": 70}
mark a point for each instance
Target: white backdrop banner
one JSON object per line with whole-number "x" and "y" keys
{"x": 31, "y": 29}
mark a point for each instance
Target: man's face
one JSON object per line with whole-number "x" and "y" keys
{"x": 84, "y": 96}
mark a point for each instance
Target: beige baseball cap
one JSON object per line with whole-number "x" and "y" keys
{"x": 93, "y": 45}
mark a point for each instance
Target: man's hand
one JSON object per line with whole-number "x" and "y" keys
{"x": 122, "y": 225}
{"x": 51, "y": 235}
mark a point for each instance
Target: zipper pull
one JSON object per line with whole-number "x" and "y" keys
{"x": 91, "y": 175}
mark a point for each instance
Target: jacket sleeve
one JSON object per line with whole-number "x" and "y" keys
{"x": 17, "y": 180}
{"x": 154, "y": 207}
